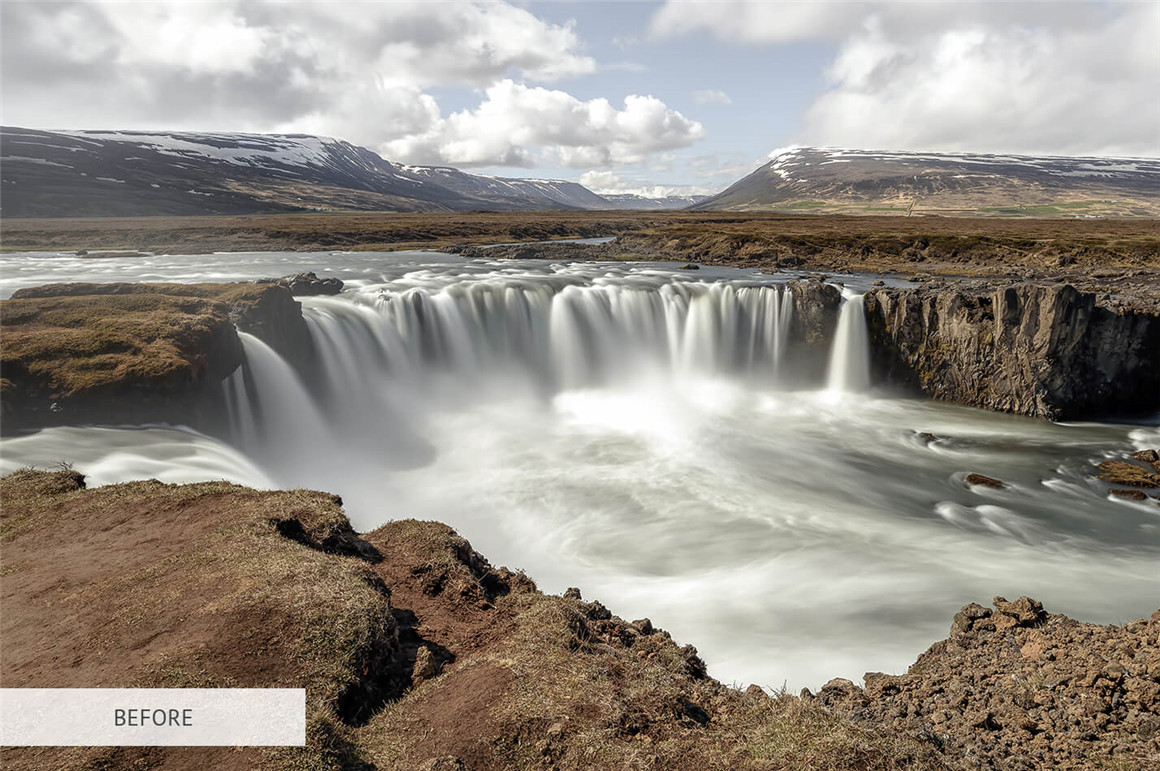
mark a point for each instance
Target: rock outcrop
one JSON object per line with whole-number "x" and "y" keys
{"x": 306, "y": 284}
{"x": 1045, "y": 351}
{"x": 815, "y": 319}
{"x": 1018, "y": 688}
{"x": 135, "y": 353}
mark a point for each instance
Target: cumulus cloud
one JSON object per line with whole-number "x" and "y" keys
{"x": 1023, "y": 77}
{"x": 258, "y": 65}
{"x": 611, "y": 183}
{"x": 711, "y": 96}
{"x": 519, "y": 125}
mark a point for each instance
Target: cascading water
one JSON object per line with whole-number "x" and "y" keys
{"x": 849, "y": 370}
{"x": 642, "y": 433}
{"x": 552, "y": 336}
{"x": 273, "y": 415}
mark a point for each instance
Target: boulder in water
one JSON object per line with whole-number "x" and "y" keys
{"x": 306, "y": 284}
{"x": 1125, "y": 474}
{"x": 985, "y": 481}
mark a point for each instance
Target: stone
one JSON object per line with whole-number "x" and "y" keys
{"x": 1025, "y": 611}
{"x": 968, "y": 620}
{"x": 985, "y": 481}
{"x": 1120, "y": 472}
{"x": 644, "y": 626}
{"x": 306, "y": 284}
{"x": 425, "y": 667}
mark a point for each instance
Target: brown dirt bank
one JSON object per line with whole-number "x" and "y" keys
{"x": 416, "y": 653}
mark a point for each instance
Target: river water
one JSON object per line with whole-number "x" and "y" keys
{"x": 632, "y": 430}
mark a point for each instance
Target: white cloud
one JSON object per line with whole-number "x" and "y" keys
{"x": 711, "y": 96}
{"x": 743, "y": 21}
{"x": 518, "y": 125}
{"x": 1068, "y": 78}
{"x": 610, "y": 183}
{"x": 258, "y": 64}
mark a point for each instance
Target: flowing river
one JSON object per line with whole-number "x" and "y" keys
{"x": 636, "y": 431}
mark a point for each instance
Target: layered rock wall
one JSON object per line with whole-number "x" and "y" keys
{"x": 1044, "y": 351}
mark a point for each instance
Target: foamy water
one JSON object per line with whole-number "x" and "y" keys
{"x": 628, "y": 429}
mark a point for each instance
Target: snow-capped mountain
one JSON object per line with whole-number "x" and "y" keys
{"x": 129, "y": 173}
{"x": 863, "y": 181}
{"x": 537, "y": 193}
{"x": 634, "y": 201}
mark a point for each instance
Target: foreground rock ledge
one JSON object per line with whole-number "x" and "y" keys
{"x": 417, "y": 653}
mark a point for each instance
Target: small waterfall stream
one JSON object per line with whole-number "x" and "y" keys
{"x": 849, "y": 369}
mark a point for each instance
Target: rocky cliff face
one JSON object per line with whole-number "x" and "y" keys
{"x": 1044, "y": 351}
{"x": 815, "y": 318}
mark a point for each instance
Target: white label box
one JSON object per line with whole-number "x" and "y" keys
{"x": 152, "y": 717}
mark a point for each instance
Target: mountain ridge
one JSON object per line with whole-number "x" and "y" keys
{"x": 135, "y": 173}
{"x": 844, "y": 180}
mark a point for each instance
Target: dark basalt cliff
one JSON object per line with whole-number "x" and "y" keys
{"x": 815, "y": 319}
{"x": 1044, "y": 351}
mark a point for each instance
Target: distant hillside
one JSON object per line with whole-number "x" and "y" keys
{"x": 633, "y": 201}
{"x": 865, "y": 182}
{"x": 125, "y": 173}
{"x": 528, "y": 193}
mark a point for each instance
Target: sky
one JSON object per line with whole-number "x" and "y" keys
{"x": 652, "y": 98}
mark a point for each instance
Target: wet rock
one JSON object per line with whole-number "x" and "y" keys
{"x": 1149, "y": 456}
{"x": 690, "y": 266}
{"x": 984, "y": 481}
{"x": 1131, "y": 495}
{"x": 1120, "y": 472}
{"x": 306, "y": 284}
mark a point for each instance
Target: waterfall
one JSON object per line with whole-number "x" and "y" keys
{"x": 554, "y": 337}
{"x": 849, "y": 369}
{"x": 384, "y": 355}
{"x": 272, "y": 413}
